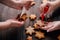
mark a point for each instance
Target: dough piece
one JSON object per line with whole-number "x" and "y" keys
{"x": 29, "y": 38}
{"x": 39, "y": 35}
{"x": 24, "y": 17}
{"x": 59, "y": 37}
{"x": 32, "y": 17}
{"x": 40, "y": 23}
{"x": 36, "y": 26}
{"x": 30, "y": 30}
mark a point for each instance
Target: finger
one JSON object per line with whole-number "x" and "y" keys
{"x": 44, "y": 28}
{"x": 18, "y": 22}
{"x": 47, "y": 26}
{"x": 51, "y": 29}
{"x": 17, "y": 1}
{"x": 41, "y": 8}
{"x": 49, "y": 12}
{"x": 55, "y": 27}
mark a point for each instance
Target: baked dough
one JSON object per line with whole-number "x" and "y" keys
{"x": 29, "y": 38}
{"x": 39, "y": 35}
{"x": 40, "y": 23}
{"x": 36, "y": 26}
{"x": 30, "y": 30}
{"x": 23, "y": 17}
{"x": 32, "y": 17}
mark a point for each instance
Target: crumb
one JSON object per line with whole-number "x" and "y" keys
{"x": 32, "y": 17}
{"x": 29, "y": 38}
{"x": 39, "y": 35}
{"x": 30, "y": 30}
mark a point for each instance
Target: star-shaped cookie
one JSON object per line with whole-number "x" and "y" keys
{"x": 30, "y": 30}
{"x": 36, "y": 26}
{"x": 40, "y": 23}
{"x": 39, "y": 35}
{"x": 29, "y": 38}
{"x": 23, "y": 17}
{"x": 32, "y": 17}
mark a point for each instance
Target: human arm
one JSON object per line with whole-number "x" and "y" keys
{"x": 11, "y": 23}
{"x": 52, "y": 26}
{"x": 53, "y": 5}
{"x": 11, "y": 4}
{"x": 17, "y": 4}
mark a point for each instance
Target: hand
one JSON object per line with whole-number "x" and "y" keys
{"x": 29, "y": 4}
{"x": 26, "y": 3}
{"x": 17, "y": 4}
{"x": 51, "y": 26}
{"x": 14, "y": 23}
{"x": 51, "y": 5}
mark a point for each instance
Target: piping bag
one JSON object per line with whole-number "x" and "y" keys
{"x": 44, "y": 12}
{"x": 46, "y": 8}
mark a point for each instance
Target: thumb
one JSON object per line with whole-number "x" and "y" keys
{"x": 18, "y": 22}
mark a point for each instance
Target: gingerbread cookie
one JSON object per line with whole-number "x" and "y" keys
{"x": 30, "y": 30}
{"x": 36, "y": 26}
{"x": 40, "y": 23}
{"x": 22, "y": 17}
{"x": 39, "y": 35}
{"x": 32, "y": 17}
{"x": 29, "y": 38}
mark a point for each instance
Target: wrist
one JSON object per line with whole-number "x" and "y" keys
{"x": 4, "y": 25}
{"x": 8, "y": 23}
